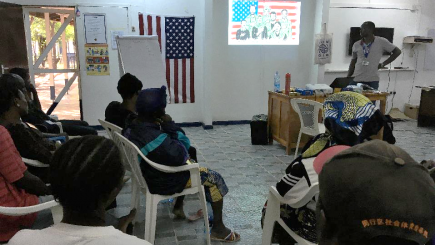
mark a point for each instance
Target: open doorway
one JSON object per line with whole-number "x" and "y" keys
{"x": 52, "y": 58}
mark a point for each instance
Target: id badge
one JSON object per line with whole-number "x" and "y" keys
{"x": 365, "y": 63}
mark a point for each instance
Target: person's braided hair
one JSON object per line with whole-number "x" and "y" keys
{"x": 84, "y": 172}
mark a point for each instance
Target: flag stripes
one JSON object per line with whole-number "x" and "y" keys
{"x": 179, "y": 72}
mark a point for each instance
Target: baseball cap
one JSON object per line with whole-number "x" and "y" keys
{"x": 375, "y": 189}
{"x": 326, "y": 155}
{"x": 150, "y": 100}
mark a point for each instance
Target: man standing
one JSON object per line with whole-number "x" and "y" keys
{"x": 259, "y": 31}
{"x": 367, "y": 54}
{"x": 270, "y": 25}
{"x": 251, "y": 20}
{"x": 286, "y": 23}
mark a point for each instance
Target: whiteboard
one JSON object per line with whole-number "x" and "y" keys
{"x": 141, "y": 56}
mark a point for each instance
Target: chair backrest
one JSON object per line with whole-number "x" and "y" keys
{"x": 313, "y": 192}
{"x": 308, "y": 111}
{"x": 110, "y": 128}
{"x": 132, "y": 154}
{"x": 34, "y": 163}
{"x": 56, "y": 210}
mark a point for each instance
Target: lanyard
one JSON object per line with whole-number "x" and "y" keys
{"x": 366, "y": 48}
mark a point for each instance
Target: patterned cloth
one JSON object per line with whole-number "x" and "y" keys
{"x": 346, "y": 114}
{"x": 214, "y": 185}
{"x": 317, "y": 145}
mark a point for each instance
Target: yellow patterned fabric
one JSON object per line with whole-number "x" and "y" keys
{"x": 315, "y": 148}
{"x": 347, "y": 111}
{"x": 214, "y": 185}
{"x": 352, "y": 101}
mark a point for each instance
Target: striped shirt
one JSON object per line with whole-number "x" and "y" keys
{"x": 12, "y": 169}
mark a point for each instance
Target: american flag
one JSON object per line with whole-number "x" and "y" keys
{"x": 241, "y": 10}
{"x": 176, "y": 39}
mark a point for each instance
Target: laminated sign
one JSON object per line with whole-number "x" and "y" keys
{"x": 323, "y": 52}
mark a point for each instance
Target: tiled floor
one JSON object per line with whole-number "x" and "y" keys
{"x": 248, "y": 171}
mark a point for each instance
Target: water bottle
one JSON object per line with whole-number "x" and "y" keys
{"x": 277, "y": 83}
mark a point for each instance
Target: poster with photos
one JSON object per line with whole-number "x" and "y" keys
{"x": 97, "y": 59}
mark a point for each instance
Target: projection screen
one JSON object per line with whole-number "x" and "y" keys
{"x": 264, "y": 22}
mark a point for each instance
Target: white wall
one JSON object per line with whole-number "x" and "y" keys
{"x": 405, "y": 23}
{"x": 231, "y": 82}
{"x": 240, "y": 76}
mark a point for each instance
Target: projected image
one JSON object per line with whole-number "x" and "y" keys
{"x": 264, "y": 22}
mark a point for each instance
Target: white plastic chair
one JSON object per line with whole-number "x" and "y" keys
{"x": 274, "y": 202}
{"x": 308, "y": 111}
{"x": 133, "y": 153}
{"x": 110, "y": 128}
{"x": 56, "y": 210}
{"x": 34, "y": 163}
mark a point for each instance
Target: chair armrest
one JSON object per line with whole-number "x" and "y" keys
{"x": 35, "y": 163}
{"x": 296, "y": 202}
{"x": 168, "y": 169}
{"x": 19, "y": 211}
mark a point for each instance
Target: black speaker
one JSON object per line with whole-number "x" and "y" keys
{"x": 259, "y": 130}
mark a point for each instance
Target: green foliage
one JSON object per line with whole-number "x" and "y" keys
{"x": 38, "y": 29}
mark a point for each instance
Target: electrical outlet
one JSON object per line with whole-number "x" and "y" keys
{"x": 133, "y": 29}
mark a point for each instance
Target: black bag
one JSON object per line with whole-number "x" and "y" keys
{"x": 388, "y": 130}
{"x": 259, "y": 130}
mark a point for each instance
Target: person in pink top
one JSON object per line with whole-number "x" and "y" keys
{"x": 18, "y": 187}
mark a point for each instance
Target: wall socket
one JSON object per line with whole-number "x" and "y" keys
{"x": 392, "y": 92}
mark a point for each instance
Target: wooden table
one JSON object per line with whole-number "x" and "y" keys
{"x": 283, "y": 122}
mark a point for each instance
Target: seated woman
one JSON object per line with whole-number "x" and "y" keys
{"x": 350, "y": 119}
{"x": 86, "y": 176}
{"x": 129, "y": 87}
{"x": 29, "y": 142}
{"x": 18, "y": 187}
{"x": 37, "y": 117}
{"x": 163, "y": 142}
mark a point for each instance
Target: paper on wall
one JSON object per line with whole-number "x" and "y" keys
{"x": 114, "y": 35}
{"x": 95, "y": 28}
{"x": 323, "y": 52}
{"x": 97, "y": 60}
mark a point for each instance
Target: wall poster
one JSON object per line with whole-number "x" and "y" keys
{"x": 97, "y": 59}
